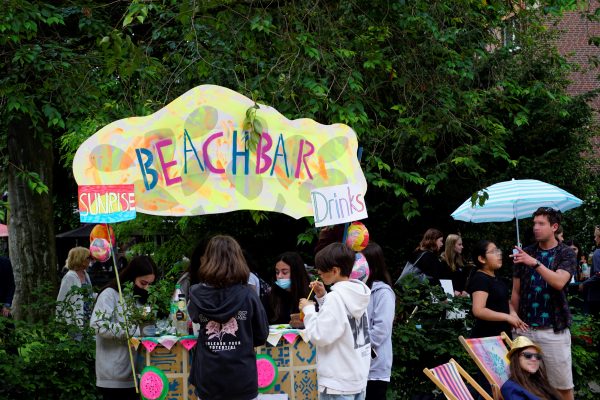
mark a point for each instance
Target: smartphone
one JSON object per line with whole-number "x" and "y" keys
{"x": 373, "y": 353}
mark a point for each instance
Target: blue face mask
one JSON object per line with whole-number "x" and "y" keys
{"x": 284, "y": 283}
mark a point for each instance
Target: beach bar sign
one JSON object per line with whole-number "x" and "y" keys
{"x": 194, "y": 157}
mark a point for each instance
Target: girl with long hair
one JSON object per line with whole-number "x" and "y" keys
{"x": 454, "y": 265}
{"x": 290, "y": 286}
{"x": 491, "y": 301}
{"x": 232, "y": 322}
{"x": 427, "y": 255}
{"x": 527, "y": 378}
{"x": 113, "y": 368}
{"x": 381, "y": 311}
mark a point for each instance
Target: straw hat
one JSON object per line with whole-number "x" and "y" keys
{"x": 522, "y": 342}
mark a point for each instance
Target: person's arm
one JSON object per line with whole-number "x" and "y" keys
{"x": 324, "y": 327}
{"x": 66, "y": 284}
{"x": 382, "y": 318}
{"x": 482, "y": 312}
{"x": 556, "y": 279}
{"x": 260, "y": 323}
{"x": 515, "y": 297}
{"x": 596, "y": 262}
{"x": 105, "y": 313}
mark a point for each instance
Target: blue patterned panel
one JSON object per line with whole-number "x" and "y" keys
{"x": 281, "y": 354}
{"x": 305, "y": 385}
{"x": 166, "y": 361}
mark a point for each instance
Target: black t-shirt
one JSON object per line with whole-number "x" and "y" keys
{"x": 497, "y": 301}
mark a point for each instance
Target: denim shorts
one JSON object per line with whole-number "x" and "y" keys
{"x": 355, "y": 396}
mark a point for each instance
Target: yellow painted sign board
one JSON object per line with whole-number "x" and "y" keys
{"x": 191, "y": 157}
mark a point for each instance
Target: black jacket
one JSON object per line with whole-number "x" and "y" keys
{"x": 232, "y": 322}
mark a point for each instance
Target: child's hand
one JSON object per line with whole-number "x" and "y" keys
{"x": 303, "y": 303}
{"x": 318, "y": 288}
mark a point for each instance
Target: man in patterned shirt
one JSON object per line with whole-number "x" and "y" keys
{"x": 541, "y": 275}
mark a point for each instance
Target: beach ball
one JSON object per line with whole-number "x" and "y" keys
{"x": 100, "y": 249}
{"x": 360, "y": 269}
{"x": 358, "y": 236}
{"x": 100, "y": 232}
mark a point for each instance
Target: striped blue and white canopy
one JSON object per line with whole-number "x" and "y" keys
{"x": 516, "y": 199}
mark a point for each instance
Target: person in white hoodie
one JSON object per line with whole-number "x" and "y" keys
{"x": 381, "y": 313}
{"x": 340, "y": 329}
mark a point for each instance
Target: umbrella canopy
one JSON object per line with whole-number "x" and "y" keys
{"x": 3, "y": 230}
{"x": 516, "y": 199}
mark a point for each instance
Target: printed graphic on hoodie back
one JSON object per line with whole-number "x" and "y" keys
{"x": 360, "y": 330}
{"x": 221, "y": 336}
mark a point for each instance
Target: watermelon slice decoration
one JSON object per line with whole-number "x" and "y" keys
{"x": 154, "y": 384}
{"x": 267, "y": 372}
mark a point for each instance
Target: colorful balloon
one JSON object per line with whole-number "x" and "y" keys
{"x": 358, "y": 236}
{"x": 100, "y": 249}
{"x": 360, "y": 269}
{"x": 100, "y": 231}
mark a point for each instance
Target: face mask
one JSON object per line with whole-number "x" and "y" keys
{"x": 140, "y": 294}
{"x": 284, "y": 283}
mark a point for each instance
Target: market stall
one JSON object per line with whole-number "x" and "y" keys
{"x": 294, "y": 357}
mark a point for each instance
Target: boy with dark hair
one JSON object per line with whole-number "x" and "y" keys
{"x": 541, "y": 275}
{"x": 340, "y": 329}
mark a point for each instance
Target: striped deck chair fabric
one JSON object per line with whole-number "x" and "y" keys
{"x": 490, "y": 356}
{"x": 451, "y": 379}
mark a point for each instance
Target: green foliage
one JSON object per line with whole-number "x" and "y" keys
{"x": 51, "y": 360}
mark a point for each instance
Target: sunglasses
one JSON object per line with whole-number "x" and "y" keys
{"x": 529, "y": 356}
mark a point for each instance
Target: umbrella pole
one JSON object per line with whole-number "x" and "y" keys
{"x": 518, "y": 241}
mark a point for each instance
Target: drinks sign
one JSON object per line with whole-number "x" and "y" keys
{"x": 338, "y": 204}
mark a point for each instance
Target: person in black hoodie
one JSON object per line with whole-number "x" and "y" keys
{"x": 232, "y": 322}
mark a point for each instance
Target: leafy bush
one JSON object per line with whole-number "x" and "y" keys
{"x": 45, "y": 361}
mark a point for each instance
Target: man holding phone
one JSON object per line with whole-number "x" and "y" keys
{"x": 540, "y": 278}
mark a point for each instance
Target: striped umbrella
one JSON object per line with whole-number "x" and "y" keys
{"x": 515, "y": 199}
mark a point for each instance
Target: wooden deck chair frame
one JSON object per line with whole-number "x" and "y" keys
{"x": 495, "y": 389}
{"x": 462, "y": 373}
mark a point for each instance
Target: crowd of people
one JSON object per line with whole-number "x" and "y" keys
{"x": 536, "y": 309}
{"x": 349, "y": 321}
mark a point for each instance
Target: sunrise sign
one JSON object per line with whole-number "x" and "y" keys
{"x": 106, "y": 203}
{"x": 191, "y": 157}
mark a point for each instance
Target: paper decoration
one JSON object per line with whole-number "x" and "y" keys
{"x": 360, "y": 269}
{"x": 149, "y": 345}
{"x": 154, "y": 384}
{"x": 100, "y": 231}
{"x": 193, "y": 157}
{"x": 167, "y": 341}
{"x": 267, "y": 372}
{"x": 134, "y": 342}
{"x": 100, "y": 249}
{"x": 358, "y": 236}
{"x": 188, "y": 343}
{"x": 290, "y": 337}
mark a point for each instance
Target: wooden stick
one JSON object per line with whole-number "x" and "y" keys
{"x": 311, "y": 289}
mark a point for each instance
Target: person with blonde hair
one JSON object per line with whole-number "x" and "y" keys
{"x": 527, "y": 377}
{"x": 454, "y": 265}
{"x": 76, "y": 307}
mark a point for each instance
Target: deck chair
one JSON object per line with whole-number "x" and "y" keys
{"x": 449, "y": 379}
{"x": 489, "y": 354}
